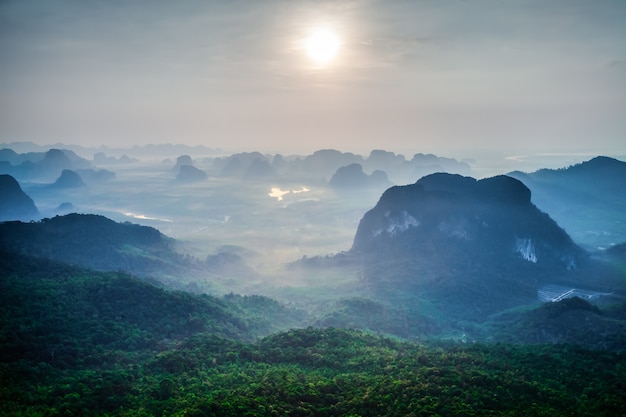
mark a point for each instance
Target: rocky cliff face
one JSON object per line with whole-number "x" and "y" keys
{"x": 481, "y": 244}
{"x": 491, "y": 218}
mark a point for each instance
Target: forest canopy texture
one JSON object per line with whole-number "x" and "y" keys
{"x": 77, "y": 342}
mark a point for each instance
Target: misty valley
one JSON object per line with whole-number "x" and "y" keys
{"x": 172, "y": 280}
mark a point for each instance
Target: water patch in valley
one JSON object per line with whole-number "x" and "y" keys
{"x": 278, "y": 193}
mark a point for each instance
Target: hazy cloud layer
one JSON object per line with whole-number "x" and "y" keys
{"x": 454, "y": 76}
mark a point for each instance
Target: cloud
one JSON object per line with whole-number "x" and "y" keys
{"x": 145, "y": 70}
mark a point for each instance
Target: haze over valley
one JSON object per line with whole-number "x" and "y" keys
{"x": 288, "y": 227}
{"x": 312, "y": 208}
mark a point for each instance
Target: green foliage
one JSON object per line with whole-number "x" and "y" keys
{"x": 378, "y": 317}
{"x": 571, "y": 320}
{"x": 78, "y": 342}
{"x": 95, "y": 242}
{"x": 332, "y": 372}
{"x": 73, "y": 317}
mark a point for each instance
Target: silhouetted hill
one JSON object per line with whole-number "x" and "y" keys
{"x": 260, "y": 168}
{"x": 383, "y": 160}
{"x": 94, "y": 242}
{"x": 39, "y": 166}
{"x": 101, "y": 158}
{"x": 598, "y": 174}
{"x": 472, "y": 247}
{"x": 189, "y": 173}
{"x": 68, "y": 179}
{"x": 352, "y": 177}
{"x": 10, "y": 156}
{"x": 237, "y": 165}
{"x": 55, "y": 160}
{"x": 15, "y": 204}
{"x": 587, "y": 199}
{"x": 95, "y": 175}
{"x": 325, "y": 162}
{"x": 425, "y": 164}
{"x": 183, "y": 160}
{"x": 64, "y": 208}
{"x": 229, "y": 265}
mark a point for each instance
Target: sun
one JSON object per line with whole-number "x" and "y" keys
{"x": 322, "y": 46}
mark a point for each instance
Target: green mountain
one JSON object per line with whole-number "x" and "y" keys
{"x": 309, "y": 372}
{"x": 80, "y": 342}
{"x": 96, "y": 242}
{"x": 51, "y": 309}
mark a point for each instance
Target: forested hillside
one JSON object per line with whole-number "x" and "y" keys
{"x": 99, "y": 243}
{"x": 79, "y": 342}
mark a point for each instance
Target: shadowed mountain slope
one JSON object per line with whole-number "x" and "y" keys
{"x": 96, "y": 242}
{"x": 15, "y": 204}
{"x": 471, "y": 247}
{"x": 587, "y": 199}
{"x": 67, "y": 316}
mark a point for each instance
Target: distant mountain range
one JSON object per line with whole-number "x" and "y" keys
{"x": 447, "y": 254}
{"x": 326, "y": 163}
{"x": 41, "y": 166}
{"x": 150, "y": 151}
{"x": 587, "y": 199}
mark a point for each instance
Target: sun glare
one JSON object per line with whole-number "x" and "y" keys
{"x": 322, "y": 46}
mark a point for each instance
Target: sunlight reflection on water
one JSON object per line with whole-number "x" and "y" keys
{"x": 144, "y": 217}
{"x": 278, "y": 193}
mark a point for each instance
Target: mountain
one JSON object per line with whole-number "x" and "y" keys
{"x": 260, "y": 168}
{"x": 587, "y": 199}
{"x": 95, "y": 175}
{"x": 101, "y": 158}
{"x": 466, "y": 248}
{"x": 68, "y": 179}
{"x": 189, "y": 173}
{"x": 597, "y": 175}
{"x": 15, "y": 204}
{"x": 325, "y": 162}
{"x": 41, "y": 166}
{"x": 237, "y": 165}
{"x": 96, "y": 242}
{"x": 183, "y": 160}
{"x": 352, "y": 177}
{"x": 572, "y": 321}
{"x": 230, "y": 265}
{"x": 78, "y": 342}
{"x": 66, "y": 315}
{"x": 425, "y": 164}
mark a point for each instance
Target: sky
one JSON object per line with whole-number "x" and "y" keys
{"x": 454, "y": 77}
